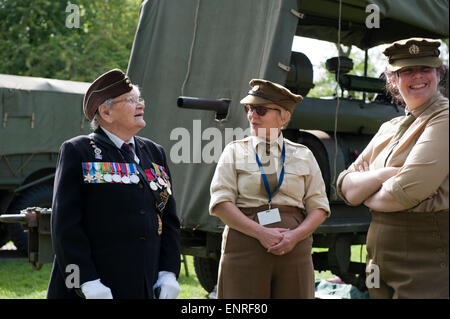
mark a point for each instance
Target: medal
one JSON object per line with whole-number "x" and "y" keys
{"x": 116, "y": 177}
{"x": 153, "y": 186}
{"x": 125, "y": 178}
{"x": 88, "y": 178}
{"x": 164, "y": 173}
{"x": 107, "y": 177}
{"x": 159, "y": 224}
{"x": 161, "y": 182}
{"x": 133, "y": 177}
{"x": 98, "y": 175}
{"x": 149, "y": 174}
{"x": 156, "y": 167}
{"x": 164, "y": 196}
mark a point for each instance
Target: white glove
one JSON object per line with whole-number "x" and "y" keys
{"x": 168, "y": 284}
{"x": 94, "y": 289}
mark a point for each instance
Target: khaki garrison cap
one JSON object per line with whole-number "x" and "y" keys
{"x": 107, "y": 86}
{"x": 266, "y": 92}
{"x": 413, "y": 52}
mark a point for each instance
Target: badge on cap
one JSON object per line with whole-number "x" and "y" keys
{"x": 414, "y": 49}
{"x": 255, "y": 88}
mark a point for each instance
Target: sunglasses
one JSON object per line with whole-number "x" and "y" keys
{"x": 259, "y": 109}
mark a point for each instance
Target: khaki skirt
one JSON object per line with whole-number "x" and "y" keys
{"x": 411, "y": 252}
{"x": 247, "y": 270}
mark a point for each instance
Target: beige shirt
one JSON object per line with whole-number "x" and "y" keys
{"x": 422, "y": 184}
{"x": 238, "y": 178}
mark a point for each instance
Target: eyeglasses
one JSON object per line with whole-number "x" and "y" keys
{"x": 132, "y": 100}
{"x": 259, "y": 109}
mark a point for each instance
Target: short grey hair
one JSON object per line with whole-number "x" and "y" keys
{"x": 95, "y": 123}
{"x": 109, "y": 103}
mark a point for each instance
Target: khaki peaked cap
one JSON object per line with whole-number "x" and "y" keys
{"x": 413, "y": 52}
{"x": 266, "y": 92}
{"x": 107, "y": 86}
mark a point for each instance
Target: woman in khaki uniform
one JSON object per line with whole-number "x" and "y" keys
{"x": 402, "y": 176}
{"x": 270, "y": 194}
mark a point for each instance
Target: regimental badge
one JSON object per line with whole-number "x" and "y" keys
{"x": 98, "y": 153}
{"x": 414, "y": 49}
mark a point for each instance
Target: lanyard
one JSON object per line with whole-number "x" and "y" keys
{"x": 264, "y": 177}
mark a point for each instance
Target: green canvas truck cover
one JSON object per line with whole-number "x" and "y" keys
{"x": 38, "y": 114}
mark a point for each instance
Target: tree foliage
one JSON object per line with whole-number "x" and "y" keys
{"x": 327, "y": 84}
{"x": 36, "y": 41}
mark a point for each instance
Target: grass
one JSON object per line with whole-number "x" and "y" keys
{"x": 18, "y": 280}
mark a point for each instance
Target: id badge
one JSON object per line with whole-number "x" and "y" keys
{"x": 269, "y": 216}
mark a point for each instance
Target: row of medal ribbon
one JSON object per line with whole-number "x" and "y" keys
{"x": 126, "y": 173}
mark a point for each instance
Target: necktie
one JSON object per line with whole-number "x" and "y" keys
{"x": 128, "y": 148}
{"x": 270, "y": 169}
{"x": 407, "y": 121}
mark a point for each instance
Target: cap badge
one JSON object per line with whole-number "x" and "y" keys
{"x": 255, "y": 88}
{"x": 414, "y": 49}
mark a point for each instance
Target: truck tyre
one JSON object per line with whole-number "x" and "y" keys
{"x": 321, "y": 156}
{"x": 36, "y": 196}
{"x": 206, "y": 270}
{"x": 4, "y": 237}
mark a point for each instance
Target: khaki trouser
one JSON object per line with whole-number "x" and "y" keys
{"x": 247, "y": 270}
{"x": 411, "y": 251}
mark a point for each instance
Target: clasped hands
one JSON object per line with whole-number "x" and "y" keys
{"x": 278, "y": 241}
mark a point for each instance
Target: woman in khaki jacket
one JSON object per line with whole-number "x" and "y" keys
{"x": 402, "y": 176}
{"x": 270, "y": 194}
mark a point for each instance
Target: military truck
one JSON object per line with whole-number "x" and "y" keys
{"x": 193, "y": 60}
{"x": 37, "y": 115}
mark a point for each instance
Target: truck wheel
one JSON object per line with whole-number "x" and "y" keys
{"x": 4, "y": 238}
{"x": 206, "y": 270}
{"x": 321, "y": 156}
{"x": 36, "y": 196}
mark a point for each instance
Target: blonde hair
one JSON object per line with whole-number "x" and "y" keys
{"x": 285, "y": 117}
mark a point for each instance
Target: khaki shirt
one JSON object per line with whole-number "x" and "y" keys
{"x": 238, "y": 178}
{"x": 422, "y": 184}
